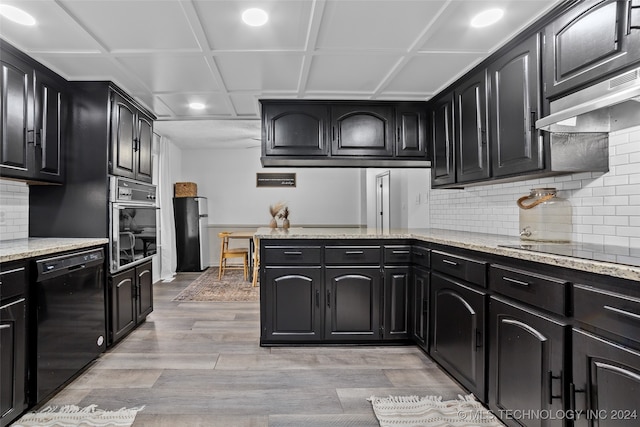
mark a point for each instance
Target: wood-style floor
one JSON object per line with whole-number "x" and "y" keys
{"x": 200, "y": 364}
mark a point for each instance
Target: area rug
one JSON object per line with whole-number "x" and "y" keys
{"x": 207, "y": 287}
{"x": 74, "y": 416}
{"x": 431, "y": 411}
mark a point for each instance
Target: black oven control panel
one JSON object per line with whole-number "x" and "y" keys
{"x": 126, "y": 190}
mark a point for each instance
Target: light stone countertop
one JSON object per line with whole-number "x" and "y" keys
{"x": 12, "y": 250}
{"x": 619, "y": 262}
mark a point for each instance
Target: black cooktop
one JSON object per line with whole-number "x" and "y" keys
{"x": 589, "y": 251}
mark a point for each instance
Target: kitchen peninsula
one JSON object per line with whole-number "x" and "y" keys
{"x": 519, "y": 324}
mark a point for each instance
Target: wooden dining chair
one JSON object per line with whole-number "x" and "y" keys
{"x": 256, "y": 261}
{"x": 226, "y": 252}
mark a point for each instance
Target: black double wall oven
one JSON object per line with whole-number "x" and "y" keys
{"x": 132, "y": 223}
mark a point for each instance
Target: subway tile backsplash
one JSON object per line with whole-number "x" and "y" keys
{"x": 14, "y": 210}
{"x": 606, "y": 206}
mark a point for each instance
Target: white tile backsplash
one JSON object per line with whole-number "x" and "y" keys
{"x": 606, "y": 207}
{"x": 14, "y": 210}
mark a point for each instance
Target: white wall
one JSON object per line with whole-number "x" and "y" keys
{"x": 227, "y": 177}
{"x": 14, "y": 210}
{"x": 606, "y": 207}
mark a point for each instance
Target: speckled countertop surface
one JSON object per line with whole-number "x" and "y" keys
{"x": 612, "y": 261}
{"x": 11, "y": 250}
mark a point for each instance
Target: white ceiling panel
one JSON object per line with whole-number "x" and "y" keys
{"x": 246, "y": 105}
{"x": 259, "y": 71}
{"x": 216, "y": 104}
{"x": 56, "y": 30}
{"x": 167, "y": 53}
{"x": 124, "y": 25}
{"x": 225, "y": 133}
{"x": 430, "y": 72}
{"x": 349, "y": 73}
{"x": 374, "y": 24}
{"x": 286, "y": 29}
{"x": 452, "y": 31}
{"x": 172, "y": 73}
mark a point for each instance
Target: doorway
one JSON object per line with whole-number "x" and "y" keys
{"x": 383, "y": 206}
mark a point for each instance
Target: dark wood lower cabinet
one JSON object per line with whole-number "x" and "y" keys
{"x": 352, "y": 304}
{"x": 293, "y": 304}
{"x": 395, "y": 324}
{"x": 527, "y": 355}
{"x": 130, "y": 300}
{"x": 420, "y": 307}
{"x": 457, "y": 337}
{"x": 13, "y": 353}
{"x": 606, "y": 382}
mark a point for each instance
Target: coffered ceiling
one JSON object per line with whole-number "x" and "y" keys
{"x": 169, "y": 53}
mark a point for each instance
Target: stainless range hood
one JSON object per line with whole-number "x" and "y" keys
{"x": 608, "y": 106}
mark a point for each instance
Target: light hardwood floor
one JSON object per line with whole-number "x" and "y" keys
{"x": 200, "y": 364}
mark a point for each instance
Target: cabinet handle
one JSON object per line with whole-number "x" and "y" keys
{"x": 420, "y": 254}
{"x": 532, "y": 125}
{"x": 550, "y": 379}
{"x": 478, "y": 339}
{"x": 572, "y": 396}
{"x": 333, "y": 133}
{"x": 318, "y": 298}
{"x": 425, "y": 305}
{"x": 294, "y": 253}
{"x": 354, "y": 252}
{"x": 634, "y": 316}
{"x": 136, "y": 144}
{"x": 446, "y": 261}
{"x": 30, "y": 137}
{"x": 398, "y": 252}
{"x": 399, "y": 135}
{"x": 329, "y": 298}
{"x": 515, "y": 281}
{"x": 38, "y": 138}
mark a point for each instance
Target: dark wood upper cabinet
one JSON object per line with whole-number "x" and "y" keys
{"x": 295, "y": 130}
{"x": 131, "y": 140}
{"x": 362, "y": 130}
{"x": 33, "y": 108}
{"x": 590, "y": 41}
{"x": 17, "y": 124}
{"x": 471, "y": 128}
{"x": 443, "y": 151}
{"x": 411, "y": 131}
{"x": 50, "y": 118}
{"x": 516, "y": 146}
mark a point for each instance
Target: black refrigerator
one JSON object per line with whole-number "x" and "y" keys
{"x": 192, "y": 237}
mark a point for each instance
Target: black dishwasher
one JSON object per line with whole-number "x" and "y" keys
{"x": 70, "y": 316}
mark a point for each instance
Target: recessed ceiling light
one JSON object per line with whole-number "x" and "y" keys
{"x": 486, "y": 18}
{"x": 197, "y": 106}
{"x": 16, "y": 15}
{"x": 255, "y": 17}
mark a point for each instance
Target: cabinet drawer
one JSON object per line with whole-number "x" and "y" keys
{"x": 421, "y": 256}
{"x": 613, "y": 312}
{"x": 397, "y": 254}
{"x": 540, "y": 291}
{"x": 352, "y": 255}
{"x": 292, "y": 255}
{"x": 468, "y": 269}
{"x": 13, "y": 281}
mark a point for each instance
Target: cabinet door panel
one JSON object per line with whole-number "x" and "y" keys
{"x": 411, "y": 131}
{"x": 295, "y": 130}
{"x": 526, "y": 365}
{"x": 14, "y": 113}
{"x": 352, "y": 304}
{"x": 362, "y": 131}
{"x": 606, "y": 382}
{"x": 49, "y": 123}
{"x": 471, "y": 129}
{"x": 396, "y": 303}
{"x": 292, "y": 304}
{"x": 123, "y": 308}
{"x": 144, "y": 291}
{"x": 457, "y": 331}
{"x": 13, "y": 353}
{"x": 144, "y": 149}
{"x": 516, "y": 145}
{"x": 443, "y": 157}
{"x": 420, "y": 307}
{"x": 123, "y": 134}
{"x": 591, "y": 40}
